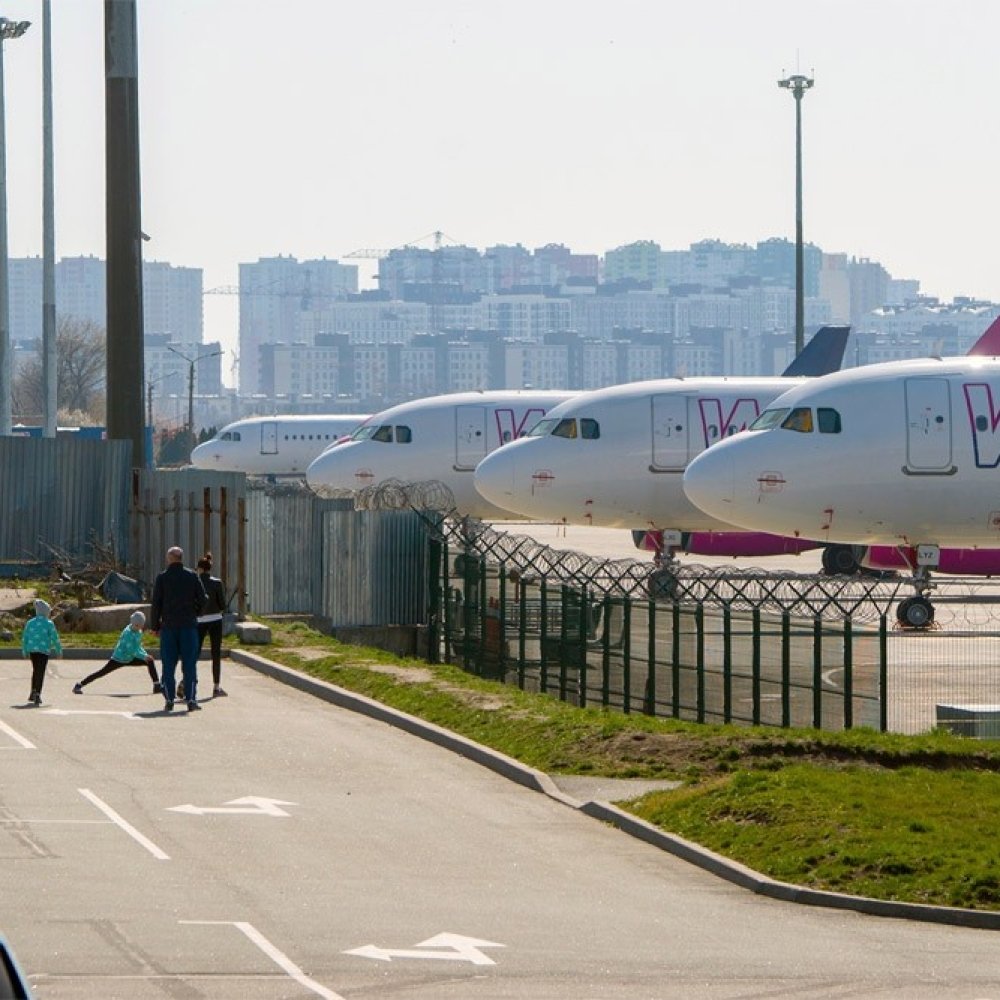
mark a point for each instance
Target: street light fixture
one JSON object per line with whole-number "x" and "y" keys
{"x": 798, "y": 85}
{"x": 192, "y": 362}
{"x": 8, "y": 29}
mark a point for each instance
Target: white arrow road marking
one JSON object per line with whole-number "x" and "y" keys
{"x": 17, "y": 738}
{"x": 249, "y": 805}
{"x": 279, "y": 958}
{"x": 460, "y": 949}
{"x": 87, "y": 711}
{"x": 124, "y": 825}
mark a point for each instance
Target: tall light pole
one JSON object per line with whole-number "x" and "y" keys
{"x": 8, "y": 29}
{"x": 191, "y": 363}
{"x": 49, "y": 375}
{"x": 798, "y": 85}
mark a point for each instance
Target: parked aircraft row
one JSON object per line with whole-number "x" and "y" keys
{"x": 617, "y": 457}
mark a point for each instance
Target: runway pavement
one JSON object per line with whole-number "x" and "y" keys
{"x": 275, "y": 845}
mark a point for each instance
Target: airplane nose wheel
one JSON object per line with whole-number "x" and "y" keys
{"x": 915, "y": 613}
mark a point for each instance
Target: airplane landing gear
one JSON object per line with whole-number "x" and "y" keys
{"x": 917, "y": 612}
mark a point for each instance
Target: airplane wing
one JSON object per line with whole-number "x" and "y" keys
{"x": 988, "y": 344}
{"x": 822, "y": 355}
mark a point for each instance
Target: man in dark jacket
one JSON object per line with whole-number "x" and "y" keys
{"x": 178, "y": 598}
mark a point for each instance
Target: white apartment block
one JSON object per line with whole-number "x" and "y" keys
{"x": 305, "y": 369}
{"x": 469, "y": 367}
{"x": 418, "y": 371}
{"x": 598, "y": 364}
{"x": 379, "y": 322}
{"x": 536, "y": 366}
{"x": 524, "y": 317}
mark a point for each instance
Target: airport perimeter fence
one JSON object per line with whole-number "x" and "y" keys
{"x": 740, "y": 646}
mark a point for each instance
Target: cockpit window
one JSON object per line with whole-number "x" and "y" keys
{"x": 403, "y": 434}
{"x": 566, "y": 428}
{"x": 800, "y": 419}
{"x": 769, "y": 419}
{"x": 590, "y": 429}
{"x": 542, "y": 428}
{"x": 228, "y": 436}
{"x": 828, "y": 420}
{"x": 383, "y": 433}
{"x": 364, "y": 433}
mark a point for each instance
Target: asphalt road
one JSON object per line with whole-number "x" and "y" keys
{"x": 276, "y": 846}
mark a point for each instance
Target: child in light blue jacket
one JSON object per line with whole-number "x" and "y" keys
{"x": 128, "y": 652}
{"x": 39, "y": 641}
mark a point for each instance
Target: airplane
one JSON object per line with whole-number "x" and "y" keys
{"x": 901, "y": 455}
{"x": 614, "y": 457}
{"x": 273, "y": 446}
{"x": 438, "y": 439}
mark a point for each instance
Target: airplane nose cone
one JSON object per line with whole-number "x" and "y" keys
{"x": 709, "y": 482}
{"x": 321, "y": 476}
{"x": 494, "y": 478}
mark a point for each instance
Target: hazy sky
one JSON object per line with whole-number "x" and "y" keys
{"x": 316, "y": 127}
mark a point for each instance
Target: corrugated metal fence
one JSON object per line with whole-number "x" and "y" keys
{"x": 63, "y": 496}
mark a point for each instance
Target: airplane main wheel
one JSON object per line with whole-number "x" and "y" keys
{"x": 662, "y": 585}
{"x": 839, "y": 560}
{"x": 915, "y": 612}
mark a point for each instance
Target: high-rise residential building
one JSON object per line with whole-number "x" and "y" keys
{"x": 279, "y": 299}
{"x": 775, "y": 264}
{"x": 641, "y": 261}
{"x": 172, "y": 301}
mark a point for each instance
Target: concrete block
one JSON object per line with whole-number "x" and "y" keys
{"x": 980, "y": 722}
{"x": 253, "y": 633}
{"x": 102, "y": 618}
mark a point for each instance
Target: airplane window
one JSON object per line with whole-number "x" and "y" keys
{"x": 590, "y": 430}
{"x": 364, "y": 433}
{"x": 228, "y": 436}
{"x": 403, "y": 434}
{"x": 982, "y": 423}
{"x": 800, "y": 419}
{"x": 383, "y": 433}
{"x": 769, "y": 419}
{"x": 236, "y": 435}
{"x": 565, "y": 428}
{"x": 506, "y": 437}
{"x": 542, "y": 428}
{"x": 828, "y": 420}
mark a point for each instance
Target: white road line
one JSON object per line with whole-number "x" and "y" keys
{"x": 278, "y": 957}
{"x": 126, "y": 826}
{"x": 17, "y": 738}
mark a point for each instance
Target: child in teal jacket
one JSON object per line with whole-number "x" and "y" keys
{"x": 39, "y": 641}
{"x": 128, "y": 652}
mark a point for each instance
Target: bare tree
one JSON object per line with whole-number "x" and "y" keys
{"x": 81, "y": 362}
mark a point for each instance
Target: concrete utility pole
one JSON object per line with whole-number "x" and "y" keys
{"x": 49, "y": 367}
{"x": 8, "y": 29}
{"x": 125, "y": 364}
{"x": 798, "y": 85}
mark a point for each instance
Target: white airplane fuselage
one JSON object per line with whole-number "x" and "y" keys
{"x": 615, "y": 457}
{"x": 901, "y": 453}
{"x": 439, "y": 439}
{"x": 273, "y": 446}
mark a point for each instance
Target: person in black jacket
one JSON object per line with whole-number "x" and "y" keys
{"x": 210, "y": 620}
{"x": 178, "y": 599}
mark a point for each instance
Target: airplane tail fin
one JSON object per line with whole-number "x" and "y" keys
{"x": 988, "y": 344}
{"x": 822, "y": 355}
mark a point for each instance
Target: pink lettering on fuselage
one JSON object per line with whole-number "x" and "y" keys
{"x": 715, "y": 424}
{"x": 510, "y": 427}
{"x": 983, "y": 421}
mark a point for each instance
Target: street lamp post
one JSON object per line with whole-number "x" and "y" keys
{"x": 798, "y": 85}
{"x": 8, "y": 29}
{"x": 191, "y": 363}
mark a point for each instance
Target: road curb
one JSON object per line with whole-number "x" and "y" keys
{"x": 683, "y": 849}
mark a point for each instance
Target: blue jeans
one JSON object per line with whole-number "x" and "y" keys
{"x": 179, "y": 643}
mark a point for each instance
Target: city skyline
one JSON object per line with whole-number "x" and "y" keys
{"x": 332, "y": 128}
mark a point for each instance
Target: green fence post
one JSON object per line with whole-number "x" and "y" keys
{"x": 502, "y": 630}
{"x": 606, "y": 654}
{"x": 650, "y": 701}
{"x": 817, "y": 672}
{"x": 699, "y": 623}
{"x": 564, "y": 613}
{"x": 584, "y": 632}
{"x": 522, "y": 613}
{"x": 449, "y": 625}
{"x": 848, "y": 674}
{"x": 755, "y": 666}
{"x": 627, "y": 656}
{"x": 483, "y": 605}
{"x": 883, "y": 674}
{"x": 543, "y": 639}
{"x": 727, "y": 663}
{"x": 434, "y": 601}
{"x": 675, "y": 662}
{"x": 786, "y": 669}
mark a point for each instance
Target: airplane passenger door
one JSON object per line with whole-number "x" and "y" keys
{"x": 470, "y": 436}
{"x": 269, "y": 437}
{"x": 671, "y": 433}
{"x": 928, "y": 425}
